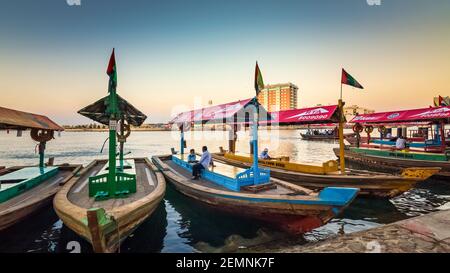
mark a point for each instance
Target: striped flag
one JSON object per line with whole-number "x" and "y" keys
{"x": 259, "y": 83}
{"x": 112, "y": 71}
{"x": 349, "y": 80}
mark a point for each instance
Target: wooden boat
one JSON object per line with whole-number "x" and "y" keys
{"x": 111, "y": 197}
{"x": 379, "y": 154}
{"x": 318, "y": 177}
{"x": 284, "y": 205}
{"x": 30, "y": 191}
{"x": 395, "y": 161}
{"x": 333, "y": 136}
{"x": 26, "y": 189}
{"x": 105, "y": 224}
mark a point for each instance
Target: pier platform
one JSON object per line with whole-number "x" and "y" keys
{"x": 423, "y": 234}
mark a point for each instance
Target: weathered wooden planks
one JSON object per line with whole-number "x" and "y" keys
{"x": 20, "y": 207}
{"x": 127, "y": 213}
{"x": 369, "y": 183}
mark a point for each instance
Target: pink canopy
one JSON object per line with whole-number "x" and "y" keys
{"x": 314, "y": 115}
{"x": 224, "y": 113}
{"x": 415, "y": 115}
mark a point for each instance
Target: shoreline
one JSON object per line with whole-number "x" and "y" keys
{"x": 427, "y": 233}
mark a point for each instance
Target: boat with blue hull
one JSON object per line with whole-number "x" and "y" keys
{"x": 284, "y": 205}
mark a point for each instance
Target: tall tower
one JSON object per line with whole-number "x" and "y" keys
{"x": 279, "y": 97}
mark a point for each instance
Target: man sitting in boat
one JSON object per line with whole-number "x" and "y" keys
{"x": 192, "y": 158}
{"x": 203, "y": 163}
{"x": 400, "y": 144}
{"x": 265, "y": 154}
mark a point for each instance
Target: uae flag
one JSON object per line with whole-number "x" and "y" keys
{"x": 349, "y": 80}
{"x": 259, "y": 83}
{"x": 112, "y": 71}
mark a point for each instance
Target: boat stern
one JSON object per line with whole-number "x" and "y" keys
{"x": 339, "y": 198}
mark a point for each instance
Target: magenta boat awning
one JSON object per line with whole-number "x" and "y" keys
{"x": 405, "y": 116}
{"x": 313, "y": 115}
{"x": 230, "y": 113}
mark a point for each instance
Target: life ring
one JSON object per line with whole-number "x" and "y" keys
{"x": 368, "y": 129}
{"x": 126, "y": 133}
{"x": 357, "y": 128}
{"x": 382, "y": 130}
{"x": 42, "y": 135}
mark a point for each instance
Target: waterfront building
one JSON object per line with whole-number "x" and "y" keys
{"x": 279, "y": 97}
{"x": 351, "y": 111}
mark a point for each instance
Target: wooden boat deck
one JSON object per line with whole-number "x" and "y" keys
{"x": 79, "y": 193}
{"x": 36, "y": 192}
{"x": 226, "y": 170}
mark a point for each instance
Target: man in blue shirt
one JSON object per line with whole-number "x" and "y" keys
{"x": 264, "y": 154}
{"x": 203, "y": 163}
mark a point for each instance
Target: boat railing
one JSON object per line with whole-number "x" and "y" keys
{"x": 232, "y": 183}
{"x": 100, "y": 188}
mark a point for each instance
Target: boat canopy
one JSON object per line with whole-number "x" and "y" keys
{"x": 406, "y": 116}
{"x": 97, "y": 112}
{"x": 237, "y": 112}
{"x": 13, "y": 119}
{"x": 313, "y": 115}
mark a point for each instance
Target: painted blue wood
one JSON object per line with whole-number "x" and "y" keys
{"x": 329, "y": 196}
{"x": 241, "y": 180}
{"x": 428, "y": 143}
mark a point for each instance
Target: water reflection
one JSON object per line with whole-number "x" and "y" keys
{"x": 182, "y": 225}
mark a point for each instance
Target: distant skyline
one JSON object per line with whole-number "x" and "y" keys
{"x": 176, "y": 53}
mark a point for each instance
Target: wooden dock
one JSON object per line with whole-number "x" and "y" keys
{"x": 424, "y": 234}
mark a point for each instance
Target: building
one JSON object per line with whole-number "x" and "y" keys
{"x": 351, "y": 111}
{"x": 278, "y": 97}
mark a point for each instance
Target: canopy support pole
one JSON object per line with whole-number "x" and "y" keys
{"x": 182, "y": 140}
{"x": 255, "y": 146}
{"x": 41, "y": 154}
{"x": 341, "y": 134}
{"x": 113, "y": 110}
{"x": 443, "y": 141}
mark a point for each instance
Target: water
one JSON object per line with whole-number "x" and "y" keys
{"x": 182, "y": 225}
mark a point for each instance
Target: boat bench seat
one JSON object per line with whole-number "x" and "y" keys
{"x": 230, "y": 177}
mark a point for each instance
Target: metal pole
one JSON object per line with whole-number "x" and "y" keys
{"x": 255, "y": 147}
{"x": 122, "y": 133}
{"x": 182, "y": 140}
{"x": 114, "y": 112}
{"x": 341, "y": 134}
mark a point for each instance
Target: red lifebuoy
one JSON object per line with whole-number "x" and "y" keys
{"x": 368, "y": 129}
{"x": 42, "y": 135}
{"x": 357, "y": 128}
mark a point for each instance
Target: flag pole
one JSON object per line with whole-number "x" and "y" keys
{"x": 341, "y": 133}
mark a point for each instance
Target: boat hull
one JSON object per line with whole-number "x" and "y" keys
{"x": 125, "y": 218}
{"x": 393, "y": 165}
{"x": 22, "y": 206}
{"x": 290, "y": 217}
{"x": 376, "y": 185}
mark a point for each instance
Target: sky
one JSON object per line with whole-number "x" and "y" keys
{"x": 175, "y": 55}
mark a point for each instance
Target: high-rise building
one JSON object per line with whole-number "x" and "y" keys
{"x": 278, "y": 97}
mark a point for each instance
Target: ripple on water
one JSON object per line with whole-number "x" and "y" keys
{"x": 181, "y": 225}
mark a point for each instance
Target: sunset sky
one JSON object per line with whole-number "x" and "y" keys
{"x": 170, "y": 53}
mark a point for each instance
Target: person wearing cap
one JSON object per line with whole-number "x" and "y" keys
{"x": 264, "y": 154}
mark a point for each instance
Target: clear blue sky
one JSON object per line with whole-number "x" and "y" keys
{"x": 173, "y": 53}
